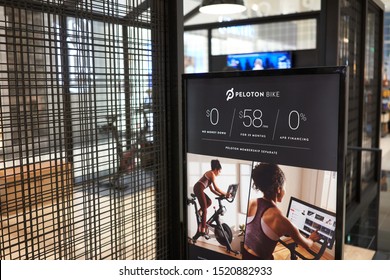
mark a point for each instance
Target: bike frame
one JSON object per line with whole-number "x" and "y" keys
{"x": 214, "y": 221}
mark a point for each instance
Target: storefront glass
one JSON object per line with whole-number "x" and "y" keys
{"x": 195, "y": 51}
{"x": 278, "y": 36}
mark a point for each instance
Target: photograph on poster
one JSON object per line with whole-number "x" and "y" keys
{"x": 231, "y": 212}
{"x": 282, "y": 197}
{"x": 308, "y": 203}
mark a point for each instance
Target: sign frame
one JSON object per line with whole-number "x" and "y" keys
{"x": 242, "y": 77}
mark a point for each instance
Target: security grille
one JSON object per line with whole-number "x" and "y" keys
{"x": 363, "y": 124}
{"x": 350, "y": 54}
{"x": 82, "y": 171}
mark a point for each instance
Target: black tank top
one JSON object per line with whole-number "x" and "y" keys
{"x": 255, "y": 237}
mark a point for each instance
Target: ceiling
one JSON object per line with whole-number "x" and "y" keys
{"x": 387, "y": 4}
{"x": 191, "y": 4}
{"x": 255, "y": 8}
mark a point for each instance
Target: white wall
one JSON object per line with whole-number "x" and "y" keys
{"x": 316, "y": 187}
{"x": 197, "y": 165}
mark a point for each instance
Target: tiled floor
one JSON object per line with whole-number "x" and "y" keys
{"x": 364, "y": 234}
{"x": 384, "y": 205}
{"x": 385, "y": 146}
{"x": 384, "y": 224}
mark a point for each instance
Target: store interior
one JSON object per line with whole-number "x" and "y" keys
{"x": 230, "y": 46}
{"x": 91, "y": 121}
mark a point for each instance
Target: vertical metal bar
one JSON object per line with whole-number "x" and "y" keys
{"x": 127, "y": 85}
{"x": 175, "y": 157}
{"x": 330, "y": 24}
{"x": 378, "y": 105}
{"x": 362, "y": 60}
{"x": 209, "y": 48}
{"x": 127, "y": 94}
{"x": 69, "y": 146}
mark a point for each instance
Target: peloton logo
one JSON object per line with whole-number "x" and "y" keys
{"x": 231, "y": 93}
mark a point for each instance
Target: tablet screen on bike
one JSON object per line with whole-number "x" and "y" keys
{"x": 308, "y": 218}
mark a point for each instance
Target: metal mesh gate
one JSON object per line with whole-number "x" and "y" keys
{"x": 364, "y": 91}
{"x": 82, "y": 170}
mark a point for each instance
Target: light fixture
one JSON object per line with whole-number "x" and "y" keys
{"x": 219, "y": 7}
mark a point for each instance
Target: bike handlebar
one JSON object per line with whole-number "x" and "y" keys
{"x": 292, "y": 246}
{"x": 228, "y": 199}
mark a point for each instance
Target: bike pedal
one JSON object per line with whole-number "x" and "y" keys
{"x": 206, "y": 236}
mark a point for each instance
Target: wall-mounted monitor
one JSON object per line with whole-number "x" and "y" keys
{"x": 260, "y": 60}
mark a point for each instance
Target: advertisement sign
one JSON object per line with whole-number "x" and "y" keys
{"x": 264, "y": 155}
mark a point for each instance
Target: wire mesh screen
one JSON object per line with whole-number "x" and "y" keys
{"x": 350, "y": 54}
{"x": 82, "y": 171}
{"x": 363, "y": 129}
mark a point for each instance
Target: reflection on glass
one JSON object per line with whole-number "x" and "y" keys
{"x": 196, "y": 52}
{"x": 371, "y": 88}
{"x": 350, "y": 52}
{"x": 278, "y": 36}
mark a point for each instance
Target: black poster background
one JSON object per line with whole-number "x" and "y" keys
{"x": 294, "y": 117}
{"x": 290, "y": 120}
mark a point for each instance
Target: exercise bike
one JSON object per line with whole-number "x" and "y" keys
{"x": 222, "y": 231}
{"x": 142, "y": 148}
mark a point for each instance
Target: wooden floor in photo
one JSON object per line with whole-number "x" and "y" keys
{"x": 280, "y": 253}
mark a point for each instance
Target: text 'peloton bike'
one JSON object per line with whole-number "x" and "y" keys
{"x": 222, "y": 231}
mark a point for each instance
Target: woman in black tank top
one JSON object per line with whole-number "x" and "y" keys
{"x": 269, "y": 223}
